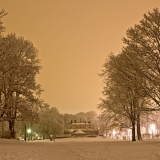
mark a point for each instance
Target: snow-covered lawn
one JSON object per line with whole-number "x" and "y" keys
{"x": 80, "y": 149}
{"x": 19, "y": 150}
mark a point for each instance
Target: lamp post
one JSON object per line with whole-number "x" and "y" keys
{"x": 25, "y": 134}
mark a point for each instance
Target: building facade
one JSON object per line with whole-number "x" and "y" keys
{"x": 84, "y": 126}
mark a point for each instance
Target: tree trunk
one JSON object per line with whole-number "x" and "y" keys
{"x": 11, "y": 128}
{"x": 139, "y": 136}
{"x": 13, "y": 115}
{"x": 133, "y": 130}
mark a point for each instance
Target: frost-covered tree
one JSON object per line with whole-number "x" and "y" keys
{"x": 2, "y": 28}
{"x": 133, "y": 76}
{"x": 19, "y": 65}
{"x": 143, "y": 46}
{"x": 121, "y": 93}
{"x": 50, "y": 123}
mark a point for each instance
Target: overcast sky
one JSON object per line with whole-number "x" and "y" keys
{"x": 74, "y": 37}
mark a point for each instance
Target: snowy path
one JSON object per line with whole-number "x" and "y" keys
{"x": 79, "y": 149}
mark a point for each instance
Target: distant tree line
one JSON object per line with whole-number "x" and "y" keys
{"x": 132, "y": 78}
{"x": 52, "y": 123}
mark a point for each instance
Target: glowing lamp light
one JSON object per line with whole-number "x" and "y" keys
{"x": 153, "y": 127}
{"x": 29, "y": 131}
{"x": 114, "y": 132}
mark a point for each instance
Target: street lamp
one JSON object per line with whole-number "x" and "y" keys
{"x": 153, "y": 128}
{"x": 29, "y": 131}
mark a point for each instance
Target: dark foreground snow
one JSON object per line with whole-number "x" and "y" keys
{"x": 79, "y": 149}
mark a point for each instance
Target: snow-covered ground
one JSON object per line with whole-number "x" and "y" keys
{"x": 80, "y": 149}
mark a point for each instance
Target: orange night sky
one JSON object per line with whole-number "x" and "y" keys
{"x": 74, "y": 37}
